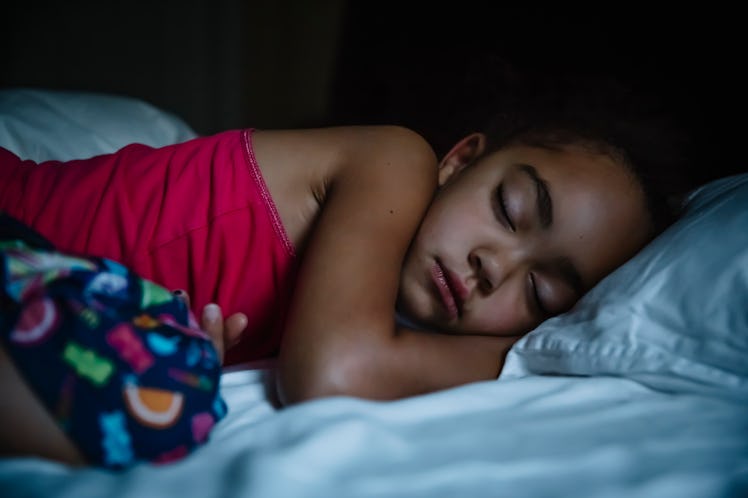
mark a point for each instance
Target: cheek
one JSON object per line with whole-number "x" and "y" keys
{"x": 503, "y": 314}
{"x": 461, "y": 222}
{"x": 439, "y": 227}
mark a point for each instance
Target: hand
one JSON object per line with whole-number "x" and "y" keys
{"x": 223, "y": 333}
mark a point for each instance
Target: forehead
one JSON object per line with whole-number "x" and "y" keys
{"x": 573, "y": 162}
{"x": 568, "y": 168}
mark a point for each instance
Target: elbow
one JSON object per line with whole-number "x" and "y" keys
{"x": 291, "y": 391}
{"x": 296, "y": 383}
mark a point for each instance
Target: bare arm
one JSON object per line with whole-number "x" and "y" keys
{"x": 341, "y": 337}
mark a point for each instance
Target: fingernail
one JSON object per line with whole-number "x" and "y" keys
{"x": 212, "y": 312}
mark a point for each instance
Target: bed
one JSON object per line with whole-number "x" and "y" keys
{"x": 640, "y": 391}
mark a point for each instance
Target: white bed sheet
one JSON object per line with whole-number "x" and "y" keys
{"x": 530, "y": 437}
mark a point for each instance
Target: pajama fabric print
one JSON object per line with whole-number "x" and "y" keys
{"x": 117, "y": 360}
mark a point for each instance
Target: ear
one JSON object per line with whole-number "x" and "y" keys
{"x": 464, "y": 152}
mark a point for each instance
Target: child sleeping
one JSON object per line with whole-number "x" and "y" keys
{"x": 310, "y": 241}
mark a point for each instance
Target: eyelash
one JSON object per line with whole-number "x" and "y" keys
{"x": 501, "y": 207}
{"x": 537, "y": 302}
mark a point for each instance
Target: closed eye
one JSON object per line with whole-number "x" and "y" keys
{"x": 500, "y": 209}
{"x": 535, "y": 299}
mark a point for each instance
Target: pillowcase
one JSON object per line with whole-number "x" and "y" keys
{"x": 46, "y": 124}
{"x": 675, "y": 317}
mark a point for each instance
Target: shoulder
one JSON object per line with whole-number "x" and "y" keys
{"x": 394, "y": 161}
{"x": 304, "y": 167}
{"x": 395, "y": 143}
{"x": 331, "y": 152}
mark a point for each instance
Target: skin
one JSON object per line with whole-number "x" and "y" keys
{"x": 351, "y": 200}
{"x": 505, "y": 266}
{"x": 368, "y": 190}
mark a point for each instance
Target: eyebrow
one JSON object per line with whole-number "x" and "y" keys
{"x": 545, "y": 205}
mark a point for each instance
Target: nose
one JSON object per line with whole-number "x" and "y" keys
{"x": 491, "y": 268}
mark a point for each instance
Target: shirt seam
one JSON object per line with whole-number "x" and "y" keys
{"x": 270, "y": 207}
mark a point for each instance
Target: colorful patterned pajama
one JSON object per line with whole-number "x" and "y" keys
{"x": 117, "y": 360}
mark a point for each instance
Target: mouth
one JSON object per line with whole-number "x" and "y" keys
{"x": 451, "y": 291}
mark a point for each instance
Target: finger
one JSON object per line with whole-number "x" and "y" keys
{"x": 182, "y": 296}
{"x": 235, "y": 325}
{"x": 212, "y": 323}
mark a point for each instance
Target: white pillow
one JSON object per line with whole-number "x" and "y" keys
{"x": 675, "y": 317}
{"x": 45, "y": 124}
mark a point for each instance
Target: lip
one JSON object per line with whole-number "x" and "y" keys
{"x": 459, "y": 291}
{"x": 450, "y": 289}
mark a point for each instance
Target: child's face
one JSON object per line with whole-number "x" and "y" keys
{"x": 518, "y": 236}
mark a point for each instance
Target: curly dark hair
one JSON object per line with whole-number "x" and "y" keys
{"x": 594, "y": 111}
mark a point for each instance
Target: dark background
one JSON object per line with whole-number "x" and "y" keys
{"x": 402, "y": 63}
{"x": 271, "y": 63}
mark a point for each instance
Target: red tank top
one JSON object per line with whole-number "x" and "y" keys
{"x": 195, "y": 216}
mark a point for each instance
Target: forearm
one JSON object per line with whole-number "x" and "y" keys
{"x": 380, "y": 366}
